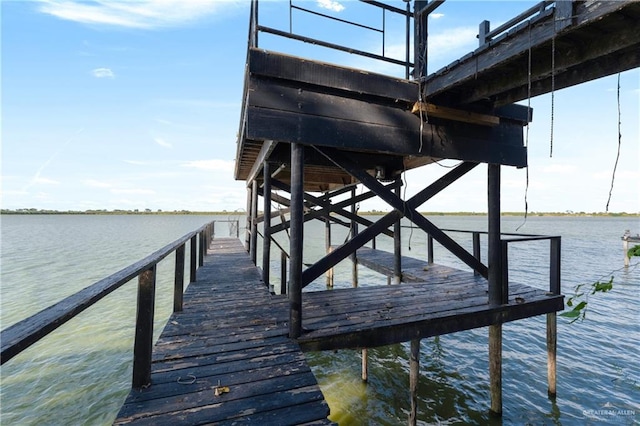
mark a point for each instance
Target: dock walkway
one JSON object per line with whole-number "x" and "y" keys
{"x": 232, "y": 334}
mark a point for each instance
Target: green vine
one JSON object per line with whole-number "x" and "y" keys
{"x": 580, "y": 299}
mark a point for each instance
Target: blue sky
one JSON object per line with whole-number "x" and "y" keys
{"x": 135, "y": 105}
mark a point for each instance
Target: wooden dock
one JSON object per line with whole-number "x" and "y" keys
{"x": 432, "y": 300}
{"x": 231, "y": 335}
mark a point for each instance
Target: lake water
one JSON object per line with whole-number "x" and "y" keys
{"x": 81, "y": 373}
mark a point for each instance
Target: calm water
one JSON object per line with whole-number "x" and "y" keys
{"x": 81, "y": 374}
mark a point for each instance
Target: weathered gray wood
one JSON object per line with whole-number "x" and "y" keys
{"x": 144, "y": 329}
{"x": 243, "y": 346}
{"x": 552, "y": 347}
{"x": 495, "y": 368}
{"x": 414, "y": 377}
{"x": 178, "y": 286}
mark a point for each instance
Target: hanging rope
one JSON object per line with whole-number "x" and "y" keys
{"x": 553, "y": 85}
{"x": 613, "y": 176}
{"x": 526, "y": 142}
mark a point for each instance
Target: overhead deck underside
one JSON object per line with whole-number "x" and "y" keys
{"x": 569, "y": 44}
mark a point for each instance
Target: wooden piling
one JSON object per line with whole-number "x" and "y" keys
{"x": 354, "y": 232}
{"x": 327, "y": 243}
{"x": 552, "y": 337}
{"x": 625, "y": 248}
{"x": 365, "y": 365}
{"x": 496, "y": 274}
{"x": 414, "y": 375}
{"x": 495, "y": 368}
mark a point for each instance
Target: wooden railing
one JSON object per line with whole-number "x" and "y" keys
{"x": 255, "y": 28}
{"x": 554, "y": 255}
{"x": 25, "y": 333}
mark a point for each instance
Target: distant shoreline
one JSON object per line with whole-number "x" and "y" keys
{"x": 242, "y": 213}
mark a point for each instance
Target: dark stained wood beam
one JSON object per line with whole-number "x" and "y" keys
{"x": 595, "y": 39}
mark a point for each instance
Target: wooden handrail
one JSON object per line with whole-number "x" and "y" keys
{"x": 18, "y": 337}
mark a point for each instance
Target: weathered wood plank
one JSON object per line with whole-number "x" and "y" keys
{"x": 218, "y": 340}
{"x": 278, "y": 65}
{"x": 266, "y": 372}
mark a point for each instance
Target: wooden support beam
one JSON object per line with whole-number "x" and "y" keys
{"x": 446, "y": 113}
{"x": 495, "y": 275}
{"x": 266, "y": 226}
{"x": 342, "y": 252}
{"x": 253, "y": 245}
{"x": 327, "y": 208}
{"x": 397, "y": 244}
{"x": 296, "y": 241}
{"x": 408, "y": 208}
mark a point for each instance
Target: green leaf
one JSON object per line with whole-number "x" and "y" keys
{"x": 570, "y": 314}
{"x": 580, "y": 306}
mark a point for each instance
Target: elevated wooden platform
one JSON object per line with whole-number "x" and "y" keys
{"x": 433, "y": 300}
{"x": 368, "y": 116}
{"x": 232, "y": 333}
{"x": 570, "y": 42}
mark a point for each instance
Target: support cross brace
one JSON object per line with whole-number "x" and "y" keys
{"x": 408, "y": 208}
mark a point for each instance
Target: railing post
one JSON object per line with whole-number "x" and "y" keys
{"x": 178, "y": 287}
{"x": 504, "y": 250}
{"x": 253, "y": 246}
{"x": 144, "y": 329}
{"x": 193, "y": 259}
{"x": 202, "y": 248}
{"x": 429, "y": 249}
{"x": 237, "y": 228}
{"x": 283, "y": 272}
{"x": 554, "y": 265}
{"x": 476, "y": 249}
{"x": 213, "y": 229}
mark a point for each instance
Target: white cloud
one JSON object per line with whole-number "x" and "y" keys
{"x": 143, "y": 14}
{"x": 45, "y": 181}
{"x": 136, "y": 162}
{"x": 162, "y": 142}
{"x": 214, "y": 164}
{"x": 436, "y": 15}
{"x": 135, "y": 191}
{"x": 331, "y": 5}
{"x": 452, "y": 43}
{"x": 103, "y": 73}
{"x": 96, "y": 184}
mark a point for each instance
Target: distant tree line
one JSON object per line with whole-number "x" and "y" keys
{"x": 111, "y": 212}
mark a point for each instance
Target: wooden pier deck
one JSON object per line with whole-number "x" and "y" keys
{"x": 231, "y": 333}
{"x": 432, "y": 300}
